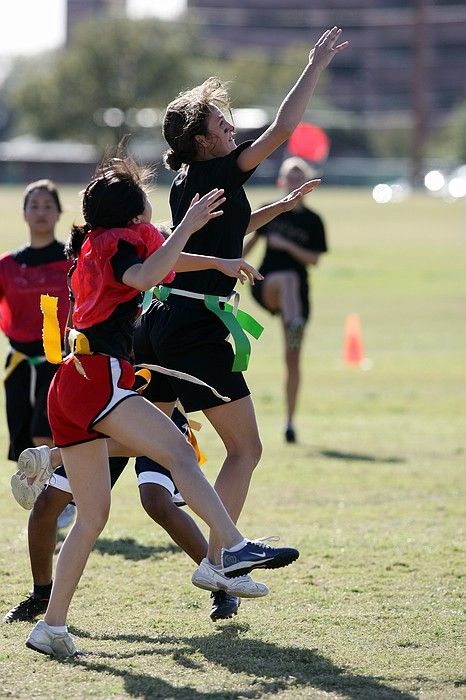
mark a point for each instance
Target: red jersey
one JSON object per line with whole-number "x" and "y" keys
{"x": 96, "y": 291}
{"x": 25, "y": 275}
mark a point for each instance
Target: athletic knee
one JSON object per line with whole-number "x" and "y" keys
{"x": 247, "y": 453}
{"x": 90, "y": 525}
{"x": 48, "y": 507}
{"x": 157, "y": 504}
{"x": 256, "y": 452}
{"x": 181, "y": 455}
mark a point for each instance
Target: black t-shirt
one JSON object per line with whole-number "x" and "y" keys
{"x": 301, "y": 226}
{"x": 223, "y": 236}
{"x": 114, "y": 336}
{"x": 32, "y": 257}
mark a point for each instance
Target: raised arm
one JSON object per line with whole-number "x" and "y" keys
{"x": 264, "y": 214}
{"x": 249, "y": 243}
{"x": 294, "y": 105}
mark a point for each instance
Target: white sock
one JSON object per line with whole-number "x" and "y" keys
{"x": 237, "y": 547}
{"x": 211, "y": 564}
{"x": 60, "y": 629}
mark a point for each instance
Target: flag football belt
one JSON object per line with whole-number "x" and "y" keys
{"x": 79, "y": 345}
{"x": 16, "y": 358}
{"x": 236, "y": 320}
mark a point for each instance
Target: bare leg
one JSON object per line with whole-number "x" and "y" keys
{"x": 157, "y": 503}
{"x": 115, "y": 447}
{"x": 42, "y": 532}
{"x": 292, "y": 380}
{"x": 236, "y": 425}
{"x": 89, "y": 477}
{"x": 143, "y": 428}
{"x": 280, "y": 292}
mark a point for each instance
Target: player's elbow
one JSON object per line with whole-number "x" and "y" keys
{"x": 136, "y": 278}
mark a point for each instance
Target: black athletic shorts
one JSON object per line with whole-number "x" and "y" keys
{"x": 26, "y": 391}
{"x": 182, "y": 334}
{"x": 256, "y": 291}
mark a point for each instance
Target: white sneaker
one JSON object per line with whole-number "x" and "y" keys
{"x": 211, "y": 579}
{"x": 26, "y": 490}
{"x": 66, "y": 517}
{"x": 36, "y": 462}
{"x": 34, "y": 471}
{"x": 43, "y": 640}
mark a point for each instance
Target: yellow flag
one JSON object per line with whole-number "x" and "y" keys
{"x": 51, "y": 329}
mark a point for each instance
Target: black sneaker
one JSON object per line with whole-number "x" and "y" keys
{"x": 256, "y": 554}
{"x": 290, "y": 435}
{"x": 224, "y": 606}
{"x": 28, "y": 609}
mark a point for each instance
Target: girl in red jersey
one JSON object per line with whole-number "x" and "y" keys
{"x": 118, "y": 255}
{"x": 25, "y": 274}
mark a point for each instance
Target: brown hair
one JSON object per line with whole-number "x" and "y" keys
{"x": 114, "y": 196}
{"x": 46, "y": 185}
{"x": 186, "y": 117}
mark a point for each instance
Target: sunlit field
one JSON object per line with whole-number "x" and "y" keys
{"x": 372, "y": 494}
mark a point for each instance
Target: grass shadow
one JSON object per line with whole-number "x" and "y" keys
{"x": 129, "y": 548}
{"x": 360, "y": 457}
{"x": 272, "y": 668}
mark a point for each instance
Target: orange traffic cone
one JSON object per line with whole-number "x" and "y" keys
{"x": 353, "y": 353}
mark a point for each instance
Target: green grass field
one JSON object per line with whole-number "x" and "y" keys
{"x": 373, "y": 495}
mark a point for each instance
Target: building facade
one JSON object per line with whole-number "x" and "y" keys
{"x": 398, "y": 49}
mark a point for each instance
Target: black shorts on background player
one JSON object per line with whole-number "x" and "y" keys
{"x": 27, "y": 417}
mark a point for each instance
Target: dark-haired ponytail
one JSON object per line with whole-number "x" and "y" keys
{"x": 75, "y": 240}
{"x": 172, "y": 161}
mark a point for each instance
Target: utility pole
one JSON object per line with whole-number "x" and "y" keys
{"x": 419, "y": 108}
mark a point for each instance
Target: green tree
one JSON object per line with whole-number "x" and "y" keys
{"x": 119, "y": 63}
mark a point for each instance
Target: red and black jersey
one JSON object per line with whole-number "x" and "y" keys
{"x": 25, "y": 274}
{"x": 105, "y": 308}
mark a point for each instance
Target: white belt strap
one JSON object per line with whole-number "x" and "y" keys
{"x": 182, "y": 375}
{"x": 195, "y": 295}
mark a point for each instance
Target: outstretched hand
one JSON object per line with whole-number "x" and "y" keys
{"x": 292, "y": 199}
{"x": 326, "y": 48}
{"x": 203, "y": 209}
{"x": 238, "y": 268}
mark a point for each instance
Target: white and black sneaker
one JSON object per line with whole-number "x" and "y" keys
{"x": 256, "y": 554}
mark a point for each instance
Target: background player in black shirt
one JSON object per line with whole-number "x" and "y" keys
{"x": 294, "y": 241}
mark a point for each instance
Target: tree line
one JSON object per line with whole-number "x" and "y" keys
{"x": 129, "y": 65}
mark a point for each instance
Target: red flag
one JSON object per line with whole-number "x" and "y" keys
{"x": 309, "y": 142}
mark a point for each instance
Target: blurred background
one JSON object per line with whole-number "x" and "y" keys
{"x": 76, "y": 75}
